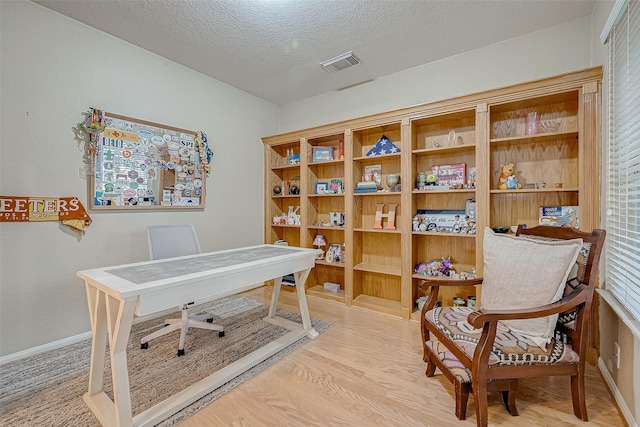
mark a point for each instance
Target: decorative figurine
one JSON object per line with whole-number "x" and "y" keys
{"x": 508, "y": 180}
{"x": 422, "y": 180}
{"x": 471, "y": 180}
{"x": 292, "y": 217}
{"x": 434, "y": 268}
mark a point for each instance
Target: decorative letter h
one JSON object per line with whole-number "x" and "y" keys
{"x": 391, "y": 216}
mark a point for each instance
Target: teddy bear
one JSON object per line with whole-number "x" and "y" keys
{"x": 508, "y": 180}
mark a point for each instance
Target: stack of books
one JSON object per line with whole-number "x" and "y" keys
{"x": 288, "y": 280}
{"x": 366, "y": 187}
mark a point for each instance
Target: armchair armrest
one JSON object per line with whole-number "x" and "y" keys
{"x": 443, "y": 281}
{"x": 579, "y": 295}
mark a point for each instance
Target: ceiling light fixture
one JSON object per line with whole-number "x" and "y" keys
{"x": 340, "y": 63}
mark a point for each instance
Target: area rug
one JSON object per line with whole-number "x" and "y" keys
{"x": 46, "y": 389}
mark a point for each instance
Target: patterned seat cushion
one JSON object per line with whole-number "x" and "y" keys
{"x": 509, "y": 348}
{"x": 451, "y": 362}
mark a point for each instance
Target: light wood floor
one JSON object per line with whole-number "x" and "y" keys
{"x": 367, "y": 370}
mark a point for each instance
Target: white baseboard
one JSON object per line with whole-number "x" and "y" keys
{"x": 628, "y": 416}
{"x": 68, "y": 341}
{"x": 45, "y": 347}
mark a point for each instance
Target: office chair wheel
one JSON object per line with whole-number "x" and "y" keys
{"x": 221, "y": 334}
{"x": 144, "y": 345}
{"x": 180, "y": 352}
{"x": 210, "y": 320}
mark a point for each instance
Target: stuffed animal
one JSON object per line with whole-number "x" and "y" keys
{"x": 508, "y": 180}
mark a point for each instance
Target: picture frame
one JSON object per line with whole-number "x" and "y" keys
{"x": 322, "y": 154}
{"x": 373, "y": 173}
{"x": 450, "y": 175}
{"x": 322, "y": 187}
{"x": 334, "y": 254}
{"x": 335, "y": 186}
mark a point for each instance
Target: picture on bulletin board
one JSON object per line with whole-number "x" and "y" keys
{"x": 140, "y": 164}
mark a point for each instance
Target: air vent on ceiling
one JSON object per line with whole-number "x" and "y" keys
{"x": 341, "y": 62}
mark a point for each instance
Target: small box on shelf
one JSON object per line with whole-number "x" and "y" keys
{"x": 332, "y": 288}
{"x": 560, "y": 216}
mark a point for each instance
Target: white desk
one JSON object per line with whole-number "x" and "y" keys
{"x": 116, "y": 294}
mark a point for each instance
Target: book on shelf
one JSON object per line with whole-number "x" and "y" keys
{"x": 365, "y": 190}
{"x": 288, "y": 280}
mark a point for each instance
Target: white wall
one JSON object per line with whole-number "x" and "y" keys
{"x": 52, "y": 70}
{"x": 555, "y": 50}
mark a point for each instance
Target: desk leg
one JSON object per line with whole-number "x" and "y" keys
{"x": 300, "y": 278}
{"x": 113, "y": 318}
{"x": 275, "y": 296}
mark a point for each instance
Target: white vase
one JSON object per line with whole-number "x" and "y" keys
{"x": 392, "y": 179}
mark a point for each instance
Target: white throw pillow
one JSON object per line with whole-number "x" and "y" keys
{"x": 525, "y": 273}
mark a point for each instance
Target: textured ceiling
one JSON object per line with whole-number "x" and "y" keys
{"x": 273, "y": 48}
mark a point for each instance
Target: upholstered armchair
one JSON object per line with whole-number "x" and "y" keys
{"x": 534, "y": 319}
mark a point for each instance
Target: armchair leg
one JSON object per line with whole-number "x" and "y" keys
{"x": 425, "y": 338}
{"x": 578, "y": 397}
{"x": 481, "y": 402}
{"x": 509, "y": 398}
{"x": 431, "y": 366}
{"x": 462, "y": 398}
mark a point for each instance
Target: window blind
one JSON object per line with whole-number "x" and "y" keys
{"x": 623, "y": 161}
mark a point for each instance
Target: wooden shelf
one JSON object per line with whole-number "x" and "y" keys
{"x": 286, "y": 167}
{"x": 330, "y": 264}
{"x": 438, "y": 235}
{"x": 322, "y": 227}
{"x": 539, "y": 137}
{"x": 378, "y": 193}
{"x": 376, "y": 230}
{"x": 326, "y": 162}
{"x": 444, "y": 191}
{"x": 377, "y": 268}
{"x": 326, "y": 195}
{"x": 537, "y": 190}
{"x": 288, "y": 196}
{"x": 374, "y": 158}
{"x": 455, "y": 148}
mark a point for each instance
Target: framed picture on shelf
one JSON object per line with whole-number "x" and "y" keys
{"x": 335, "y": 186}
{"x": 322, "y": 154}
{"x": 373, "y": 173}
{"x": 450, "y": 175}
{"x": 334, "y": 254}
{"x": 322, "y": 187}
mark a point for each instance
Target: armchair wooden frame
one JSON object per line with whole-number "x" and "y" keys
{"x": 501, "y": 377}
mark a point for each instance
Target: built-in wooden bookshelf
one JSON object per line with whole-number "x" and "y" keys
{"x": 549, "y": 129}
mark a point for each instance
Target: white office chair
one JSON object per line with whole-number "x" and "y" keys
{"x": 167, "y": 241}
